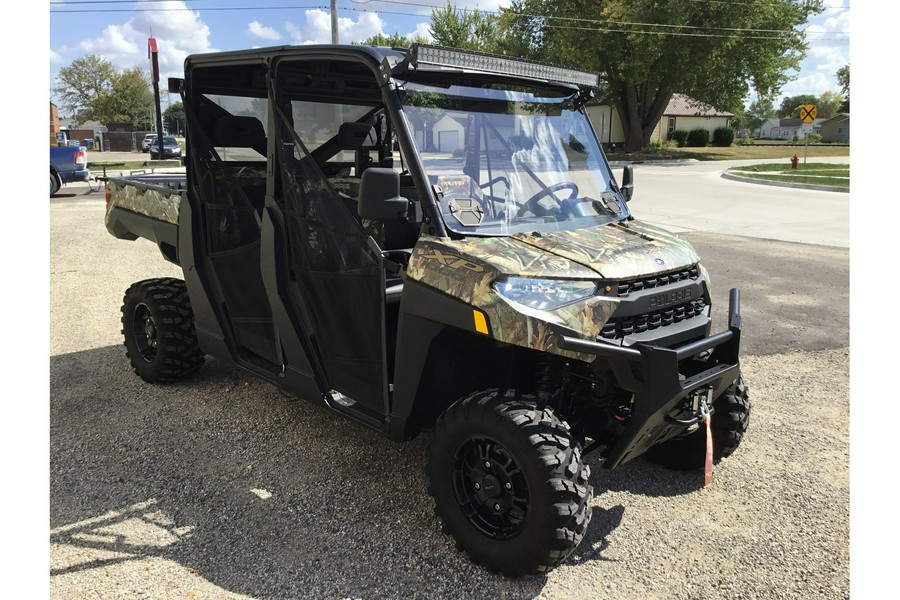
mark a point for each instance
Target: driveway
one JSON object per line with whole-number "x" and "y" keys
{"x": 220, "y": 487}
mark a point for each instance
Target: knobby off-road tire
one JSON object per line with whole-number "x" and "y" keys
{"x": 729, "y": 423}
{"x": 508, "y": 482}
{"x": 158, "y": 327}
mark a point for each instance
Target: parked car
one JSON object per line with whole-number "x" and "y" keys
{"x": 171, "y": 148}
{"x": 67, "y": 164}
{"x": 145, "y": 143}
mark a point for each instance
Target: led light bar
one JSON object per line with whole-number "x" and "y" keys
{"x": 493, "y": 63}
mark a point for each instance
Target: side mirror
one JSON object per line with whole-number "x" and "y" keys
{"x": 379, "y": 195}
{"x": 627, "y": 186}
{"x": 175, "y": 84}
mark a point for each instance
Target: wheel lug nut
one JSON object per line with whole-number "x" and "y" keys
{"x": 477, "y": 486}
{"x": 487, "y": 464}
{"x": 508, "y": 485}
{"x": 497, "y": 507}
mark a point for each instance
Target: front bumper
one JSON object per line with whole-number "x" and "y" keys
{"x": 661, "y": 379}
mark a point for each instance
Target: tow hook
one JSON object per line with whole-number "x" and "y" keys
{"x": 701, "y": 405}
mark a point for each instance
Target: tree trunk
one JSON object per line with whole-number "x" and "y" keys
{"x": 640, "y": 110}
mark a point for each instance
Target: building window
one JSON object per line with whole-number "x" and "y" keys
{"x": 840, "y": 130}
{"x": 671, "y": 127}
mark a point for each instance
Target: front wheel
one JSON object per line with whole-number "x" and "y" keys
{"x": 509, "y": 482}
{"x": 158, "y": 327}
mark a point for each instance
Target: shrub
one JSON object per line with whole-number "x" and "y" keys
{"x": 723, "y": 136}
{"x": 698, "y": 138}
{"x": 814, "y": 138}
{"x": 680, "y": 137}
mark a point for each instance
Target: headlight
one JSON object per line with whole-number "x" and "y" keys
{"x": 544, "y": 294}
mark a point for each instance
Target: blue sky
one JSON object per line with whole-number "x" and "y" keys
{"x": 118, "y": 30}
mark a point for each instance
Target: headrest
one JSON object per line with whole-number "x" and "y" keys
{"x": 352, "y": 136}
{"x": 240, "y": 132}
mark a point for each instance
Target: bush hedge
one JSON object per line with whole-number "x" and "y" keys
{"x": 723, "y": 137}
{"x": 698, "y": 138}
{"x": 680, "y": 136}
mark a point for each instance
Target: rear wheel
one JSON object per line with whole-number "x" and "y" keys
{"x": 729, "y": 423}
{"x": 54, "y": 183}
{"x": 158, "y": 327}
{"x": 508, "y": 482}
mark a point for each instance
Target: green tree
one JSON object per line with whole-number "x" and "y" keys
{"x": 173, "y": 118}
{"x": 646, "y": 50}
{"x": 759, "y": 111}
{"x": 843, "y": 77}
{"x": 828, "y": 104}
{"x": 81, "y": 84}
{"x": 132, "y": 98}
{"x": 467, "y": 29}
{"x": 790, "y": 106}
{"x": 91, "y": 89}
{"x": 391, "y": 41}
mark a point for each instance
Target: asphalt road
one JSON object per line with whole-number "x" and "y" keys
{"x": 219, "y": 487}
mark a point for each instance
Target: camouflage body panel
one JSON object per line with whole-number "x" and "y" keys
{"x": 617, "y": 251}
{"x": 154, "y": 201}
{"x": 466, "y": 270}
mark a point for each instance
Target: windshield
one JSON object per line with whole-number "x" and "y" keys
{"x": 506, "y": 161}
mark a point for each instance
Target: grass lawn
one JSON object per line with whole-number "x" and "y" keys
{"x": 732, "y": 153}
{"x": 810, "y": 173}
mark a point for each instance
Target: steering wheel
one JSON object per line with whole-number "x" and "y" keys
{"x": 532, "y": 203}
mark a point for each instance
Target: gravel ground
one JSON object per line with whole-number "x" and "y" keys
{"x": 220, "y": 487}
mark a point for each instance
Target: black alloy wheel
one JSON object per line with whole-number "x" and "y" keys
{"x": 158, "y": 328}
{"x": 146, "y": 336}
{"x": 508, "y": 482}
{"x": 490, "y": 488}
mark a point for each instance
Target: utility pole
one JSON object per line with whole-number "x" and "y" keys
{"x": 334, "y": 23}
{"x": 153, "y": 55}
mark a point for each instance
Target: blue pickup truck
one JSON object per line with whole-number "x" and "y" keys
{"x": 67, "y": 165}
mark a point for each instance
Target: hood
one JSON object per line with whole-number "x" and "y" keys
{"x": 624, "y": 250}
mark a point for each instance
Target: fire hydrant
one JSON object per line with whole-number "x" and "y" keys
{"x": 794, "y": 161}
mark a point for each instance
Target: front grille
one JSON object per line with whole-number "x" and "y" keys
{"x": 659, "y": 280}
{"x": 617, "y": 328}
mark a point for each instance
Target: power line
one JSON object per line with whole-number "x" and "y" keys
{"x": 782, "y": 33}
{"x": 600, "y": 21}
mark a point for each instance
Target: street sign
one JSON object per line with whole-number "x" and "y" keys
{"x": 808, "y": 113}
{"x": 806, "y": 127}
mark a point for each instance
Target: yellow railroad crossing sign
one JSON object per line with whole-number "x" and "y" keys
{"x": 808, "y": 113}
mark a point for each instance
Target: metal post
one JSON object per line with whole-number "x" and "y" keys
{"x": 805, "y": 145}
{"x": 154, "y": 58}
{"x": 334, "y": 23}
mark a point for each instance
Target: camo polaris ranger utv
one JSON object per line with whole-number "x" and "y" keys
{"x": 432, "y": 240}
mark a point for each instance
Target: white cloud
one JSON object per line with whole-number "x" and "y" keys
{"x": 423, "y": 30}
{"x": 55, "y": 57}
{"x": 815, "y": 84}
{"x": 257, "y": 29}
{"x": 177, "y": 32}
{"x": 317, "y": 29}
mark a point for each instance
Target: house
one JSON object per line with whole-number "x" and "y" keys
{"x": 786, "y": 129}
{"x": 836, "y": 129}
{"x": 766, "y": 130}
{"x": 449, "y": 134}
{"x": 683, "y": 112}
{"x": 56, "y": 137}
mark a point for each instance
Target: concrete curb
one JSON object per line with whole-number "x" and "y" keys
{"x": 802, "y": 186}
{"x": 673, "y": 161}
